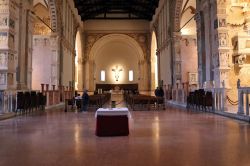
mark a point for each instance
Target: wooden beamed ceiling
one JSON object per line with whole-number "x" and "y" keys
{"x": 116, "y": 9}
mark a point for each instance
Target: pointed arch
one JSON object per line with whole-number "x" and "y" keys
{"x": 177, "y": 14}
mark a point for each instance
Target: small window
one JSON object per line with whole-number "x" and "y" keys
{"x": 130, "y": 75}
{"x": 102, "y": 75}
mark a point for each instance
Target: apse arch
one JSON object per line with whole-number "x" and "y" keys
{"x": 116, "y": 37}
{"x": 104, "y": 41}
{"x": 53, "y": 14}
{"x": 177, "y": 14}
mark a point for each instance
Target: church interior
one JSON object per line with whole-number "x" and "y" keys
{"x": 124, "y": 82}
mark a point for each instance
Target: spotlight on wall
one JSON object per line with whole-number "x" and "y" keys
{"x": 117, "y": 71}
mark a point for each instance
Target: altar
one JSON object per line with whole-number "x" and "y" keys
{"x": 112, "y": 122}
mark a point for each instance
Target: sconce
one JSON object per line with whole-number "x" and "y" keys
{"x": 117, "y": 71}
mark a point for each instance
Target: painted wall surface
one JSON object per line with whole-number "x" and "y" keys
{"x": 41, "y": 62}
{"x": 116, "y": 54}
{"x": 189, "y": 58}
{"x": 116, "y": 25}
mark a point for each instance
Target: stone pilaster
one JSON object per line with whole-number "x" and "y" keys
{"x": 200, "y": 31}
{"x": 8, "y": 44}
{"x": 221, "y": 51}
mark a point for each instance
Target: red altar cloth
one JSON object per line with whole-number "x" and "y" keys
{"x": 112, "y": 122}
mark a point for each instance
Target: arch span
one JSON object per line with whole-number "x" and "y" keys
{"x": 177, "y": 14}
{"x": 53, "y": 14}
{"x": 116, "y": 37}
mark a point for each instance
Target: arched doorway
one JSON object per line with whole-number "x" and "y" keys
{"x": 154, "y": 62}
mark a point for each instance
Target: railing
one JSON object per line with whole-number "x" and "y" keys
{"x": 243, "y": 98}
{"x": 168, "y": 92}
{"x": 7, "y": 101}
{"x": 179, "y": 93}
{"x": 8, "y": 98}
{"x": 219, "y": 99}
{"x": 55, "y": 96}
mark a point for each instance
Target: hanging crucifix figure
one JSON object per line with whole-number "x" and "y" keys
{"x": 117, "y": 72}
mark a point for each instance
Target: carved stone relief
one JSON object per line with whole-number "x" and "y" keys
{"x": 223, "y": 39}
{"x": 3, "y": 21}
{"x": 241, "y": 59}
{"x": 2, "y": 78}
{"x": 3, "y": 38}
{"x": 224, "y": 59}
{"x": 222, "y": 22}
{"x": 3, "y": 60}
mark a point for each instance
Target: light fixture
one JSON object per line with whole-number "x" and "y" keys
{"x": 117, "y": 71}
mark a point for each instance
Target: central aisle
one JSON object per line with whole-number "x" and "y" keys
{"x": 171, "y": 137}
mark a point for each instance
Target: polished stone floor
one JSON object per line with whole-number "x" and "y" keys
{"x": 157, "y": 138}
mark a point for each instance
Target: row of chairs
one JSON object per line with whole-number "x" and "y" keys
{"x": 95, "y": 101}
{"x": 28, "y": 101}
{"x": 200, "y": 99}
{"x": 144, "y": 101}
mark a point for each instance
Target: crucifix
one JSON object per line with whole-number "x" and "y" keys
{"x": 117, "y": 71}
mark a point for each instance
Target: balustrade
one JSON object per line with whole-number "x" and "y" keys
{"x": 179, "y": 93}
{"x": 55, "y": 96}
{"x": 243, "y": 98}
{"x": 219, "y": 99}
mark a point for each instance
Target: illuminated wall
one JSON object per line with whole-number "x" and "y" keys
{"x": 112, "y": 55}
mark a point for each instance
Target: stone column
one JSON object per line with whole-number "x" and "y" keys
{"x": 200, "y": 34}
{"x": 221, "y": 50}
{"x": 158, "y": 54}
{"x": 24, "y": 45}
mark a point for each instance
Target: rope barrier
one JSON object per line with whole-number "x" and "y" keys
{"x": 232, "y": 102}
{"x": 119, "y": 102}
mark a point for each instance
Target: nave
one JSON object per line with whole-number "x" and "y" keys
{"x": 172, "y": 137}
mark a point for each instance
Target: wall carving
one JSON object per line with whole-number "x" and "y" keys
{"x": 223, "y": 39}
{"x": 3, "y": 21}
{"x": 2, "y": 79}
{"x": 3, "y": 60}
{"x": 53, "y": 14}
{"x": 177, "y": 14}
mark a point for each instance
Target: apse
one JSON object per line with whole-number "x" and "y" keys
{"x": 113, "y": 63}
